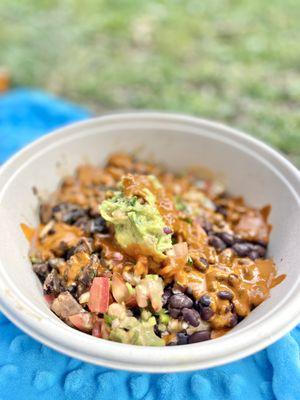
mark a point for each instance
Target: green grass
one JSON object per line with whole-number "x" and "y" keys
{"x": 233, "y": 61}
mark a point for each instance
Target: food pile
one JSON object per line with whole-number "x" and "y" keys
{"x": 136, "y": 254}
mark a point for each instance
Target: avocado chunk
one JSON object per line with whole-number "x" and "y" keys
{"x": 143, "y": 334}
{"x": 134, "y": 331}
{"x": 139, "y": 226}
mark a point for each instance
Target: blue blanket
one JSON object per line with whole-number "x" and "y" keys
{"x": 29, "y": 370}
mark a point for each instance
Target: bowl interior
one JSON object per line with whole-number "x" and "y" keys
{"x": 246, "y": 168}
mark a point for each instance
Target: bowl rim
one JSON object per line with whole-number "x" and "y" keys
{"x": 148, "y": 359}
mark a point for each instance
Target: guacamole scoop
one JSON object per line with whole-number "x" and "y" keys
{"x": 139, "y": 227}
{"x": 128, "y": 329}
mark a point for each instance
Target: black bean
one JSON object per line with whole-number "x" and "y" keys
{"x": 199, "y": 337}
{"x": 98, "y": 225}
{"x": 227, "y": 238}
{"x": 253, "y": 255}
{"x": 93, "y": 212}
{"x": 204, "y": 261}
{"x": 207, "y": 313}
{"x": 83, "y": 223}
{"x": 174, "y": 312}
{"x": 207, "y": 226}
{"x": 136, "y": 312}
{"x": 242, "y": 249}
{"x": 42, "y": 270}
{"x": 191, "y": 316}
{"x": 261, "y": 250}
{"x": 180, "y": 301}
{"x": 205, "y": 300}
{"x": 261, "y": 243}
{"x": 201, "y": 264}
{"x": 225, "y": 295}
{"x": 73, "y": 215}
{"x": 182, "y": 338}
{"x": 57, "y": 208}
{"x": 239, "y": 318}
{"x": 216, "y": 242}
{"x": 177, "y": 289}
{"x": 233, "y": 321}
{"x": 198, "y": 306}
{"x": 222, "y": 210}
{"x": 52, "y": 283}
{"x": 247, "y": 249}
{"x": 67, "y": 212}
{"x": 166, "y": 296}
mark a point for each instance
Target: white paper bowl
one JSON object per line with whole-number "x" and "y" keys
{"x": 249, "y": 167}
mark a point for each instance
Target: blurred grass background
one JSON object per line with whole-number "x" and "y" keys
{"x": 233, "y": 61}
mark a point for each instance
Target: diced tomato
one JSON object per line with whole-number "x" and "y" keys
{"x": 82, "y": 321}
{"x": 97, "y": 329}
{"x": 99, "y": 295}
{"x": 49, "y": 298}
{"x": 104, "y": 330}
{"x": 100, "y": 329}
